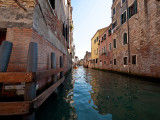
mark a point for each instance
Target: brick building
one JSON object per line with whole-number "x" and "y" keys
{"x": 46, "y": 22}
{"x": 135, "y": 45}
{"x": 135, "y": 27}
{"x": 86, "y": 59}
{"x": 105, "y": 49}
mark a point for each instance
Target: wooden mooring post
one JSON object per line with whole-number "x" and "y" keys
{"x": 30, "y": 87}
{"x": 61, "y": 66}
{"x": 5, "y": 53}
{"x": 30, "y": 77}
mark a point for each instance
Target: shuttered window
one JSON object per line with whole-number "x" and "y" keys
{"x": 123, "y": 18}
{"x": 114, "y": 24}
{"x": 132, "y": 10}
{"x": 125, "y": 38}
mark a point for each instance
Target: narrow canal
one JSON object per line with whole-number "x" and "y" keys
{"x": 96, "y": 95}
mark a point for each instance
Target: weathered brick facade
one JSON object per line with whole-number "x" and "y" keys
{"x": 135, "y": 28}
{"x": 36, "y": 21}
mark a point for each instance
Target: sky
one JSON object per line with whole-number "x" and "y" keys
{"x": 88, "y": 17}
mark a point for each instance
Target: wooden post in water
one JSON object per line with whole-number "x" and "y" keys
{"x": 5, "y": 53}
{"x": 30, "y": 88}
{"x": 61, "y": 66}
{"x": 53, "y": 66}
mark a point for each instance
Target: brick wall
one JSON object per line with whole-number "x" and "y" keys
{"x": 21, "y": 38}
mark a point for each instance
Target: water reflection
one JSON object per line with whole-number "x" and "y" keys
{"x": 95, "y": 95}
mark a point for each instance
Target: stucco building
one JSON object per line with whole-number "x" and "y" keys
{"x": 94, "y": 46}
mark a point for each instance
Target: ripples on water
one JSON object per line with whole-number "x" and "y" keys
{"x": 89, "y": 94}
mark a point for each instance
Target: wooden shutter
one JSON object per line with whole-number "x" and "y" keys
{"x": 129, "y": 12}
{"x": 121, "y": 19}
{"x": 124, "y": 17}
{"x": 135, "y": 6}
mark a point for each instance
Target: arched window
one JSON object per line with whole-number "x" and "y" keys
{"x": 125, "y": 39}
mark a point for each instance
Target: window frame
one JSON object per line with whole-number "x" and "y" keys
{"x": 135, "y": 59}
{"x": 115, "y": 61}
{"x": 133, "y": 3}
{"x": 114, "y": 45}
{"x": 124, "y": 60}
{"x": 124, "y": 18}
{"x": 123, "y": 39}
{"x": 110, "y": 46}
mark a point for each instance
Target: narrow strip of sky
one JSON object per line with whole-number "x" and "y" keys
{"x": 88, "y": 17}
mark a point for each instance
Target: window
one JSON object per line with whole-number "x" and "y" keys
{"x": 115, "y": 62}
{"x": 132, "y": 9}
{"x": 109, "y": 32}
{"x": 99, "y": 42}
{"x": 123, "y": 18}
{"x": 125, "y": 38}
{"x": 104, "y": 49}
{"x": 134, "y": 61}
{"x": 66, "y": 32}
{"x": 97, "y": 38}
{"x": 96, "y": 60}
{"x": 114, "y": 43}
{"x": 3, "y": 33}
{"x": 104, "y": 62}
{"x": 102, "y": 39}
{"x": 125, "y": 61}
{"x": 113, "y": 1}
{"x": 123, "y": 1}
{"x": 52, "y": 3}
{"x": 114, "y": 11}
{"x": 94, "y": 41}
{"x": 110, "y": 62}
{"x": 110, "y": 46}
{"x": 104, "y": 36}
{"x": 114, "y": 24}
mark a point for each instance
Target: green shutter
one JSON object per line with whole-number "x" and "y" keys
{"x": 129, "y": 12}
{"x": 135, "y": 6}
{"x": 124, "y": 17}
{"x": 121, "y": 20}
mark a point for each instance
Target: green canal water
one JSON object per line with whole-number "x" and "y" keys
{"x": 89, "y": 94}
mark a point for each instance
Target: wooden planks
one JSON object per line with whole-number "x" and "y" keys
{"x": 47, "y": 73}
{"x": 38, "y": 101}
{"x": 14, "y": 108}
{"x": 9, "y": 77}
{"x": 14, "y": 77}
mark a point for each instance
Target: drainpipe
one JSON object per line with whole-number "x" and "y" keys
{"x": 129, "y": 57}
